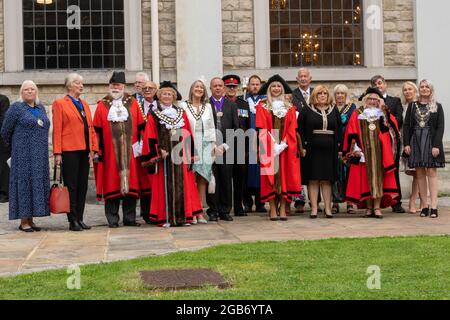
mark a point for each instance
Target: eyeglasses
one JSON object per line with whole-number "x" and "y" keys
{"x": 148, "y": 89}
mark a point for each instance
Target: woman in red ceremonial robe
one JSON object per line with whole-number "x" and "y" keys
{"x": 168, "y": 135}
{"x": 280, "y": 161}
{"x": 368, "y": 145}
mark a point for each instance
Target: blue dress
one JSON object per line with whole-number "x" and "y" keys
{"x": 26, "y": 130}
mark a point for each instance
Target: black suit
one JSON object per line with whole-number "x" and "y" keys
{"x": 298, "y": 100}
{"x": 396, "y": 109}
{"x": 240, "y": 157}
{"x": 5, "y": 150}
{"x": 221, "y": 201}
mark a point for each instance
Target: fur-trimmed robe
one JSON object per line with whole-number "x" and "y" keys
{"x": 183, "y": 198}
{"x": 116, "y": 173}
{"x": 375, "y": 178}
{"x": 279, "y": 177}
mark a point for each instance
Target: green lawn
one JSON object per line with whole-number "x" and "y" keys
{"x": 411, "y": 268}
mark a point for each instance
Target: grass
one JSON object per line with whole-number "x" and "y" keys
{"x": 411, "y": 268}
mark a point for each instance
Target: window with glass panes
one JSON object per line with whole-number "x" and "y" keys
{"x": 316, "y": 33}
{"x": 53, "y": 39}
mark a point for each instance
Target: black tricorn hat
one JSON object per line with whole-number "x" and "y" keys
{"x": 118, "y": 77}
{"x": 278, "y": 78}
{"x": 232, "y": 80}
{"x": 371, "y": 90}
{"x": 169, "y": 84}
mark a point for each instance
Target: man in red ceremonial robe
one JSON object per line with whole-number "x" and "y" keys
{"x": 283, "y": 182}
{"x": 368, "y": 146}
{"x": 119, "y": 124}
{"x": 168, "y": 136}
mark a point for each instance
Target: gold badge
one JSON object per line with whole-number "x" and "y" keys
{"x": 372, "y": 126}
{"x": 220, "y": 114}
{"x": 422, "y": 124}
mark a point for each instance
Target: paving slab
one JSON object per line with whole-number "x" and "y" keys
{"x": 56, "y": 247}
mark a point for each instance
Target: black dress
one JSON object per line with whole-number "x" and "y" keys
{"x": 422, "y": 128}
{"x": 321, "y": 141}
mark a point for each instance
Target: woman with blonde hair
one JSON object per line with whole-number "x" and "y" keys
{"x": 25, "y": 129}
{"x": 422, "y": 137}
{"x": 201, "y": 119}
{"x": 320, "y": 128}
{"x": 279, "y": 152}
{"x": 410, "y": 93}
{"x": 345, "y": 108}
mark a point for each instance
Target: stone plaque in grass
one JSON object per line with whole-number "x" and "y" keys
{"x": 182, "y": 279}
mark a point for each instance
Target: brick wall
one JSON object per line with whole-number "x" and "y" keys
{"x": 146, "y": 34}
{"x": 238, "y": 34}
{"x": 399, "y": 40}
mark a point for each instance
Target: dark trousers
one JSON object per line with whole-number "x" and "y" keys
{"x": 75, "y": 170}
{"x": 248, "y": 200}
{"x": 239, "y": 183}
{"x": 4, "y": 173}
{"x": 219, "y": 203}
{"x": 145, "y": 205}
{"x": 112, "y": 207}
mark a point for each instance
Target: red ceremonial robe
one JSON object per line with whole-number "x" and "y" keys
{"x": 360, "y": 178}
{"x": 285, "y": 180}
{"x": 109, "y": 181}
{"x": 183, "y": 198}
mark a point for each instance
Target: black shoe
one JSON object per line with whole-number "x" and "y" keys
{"x": 247, "y": 209}
{"x": 132, "y": 224}
{"x": 226, "y": 217}
{"x": 26, "y": 230}
{"x": 213, "y": 217}
{"x": 74, "y": 226}
{"x": 113, "y": 226}
{"x": 434, "y": 213}
{"x": 398, "y": 209}
{"x": 425, "y": 212}
{"x": 35, "y": 228}
{"x": 147, "y": 219}
{"x": 84, "y": 226}
{"x": 261, "y": 209}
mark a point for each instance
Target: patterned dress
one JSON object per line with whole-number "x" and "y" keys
{"x": 26, "y": 130}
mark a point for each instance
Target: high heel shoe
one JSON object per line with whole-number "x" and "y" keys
{"x": 434, "y": 213}
{"x": 425, "y": 212}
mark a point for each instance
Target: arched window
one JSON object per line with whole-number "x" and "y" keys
{"x": 316, "y": 33}
{"x": 73, "y": 34}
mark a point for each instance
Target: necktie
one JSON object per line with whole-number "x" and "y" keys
{"x": 306, "y": 96}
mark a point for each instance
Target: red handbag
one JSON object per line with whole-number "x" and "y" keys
{"x": 59, "y": 195}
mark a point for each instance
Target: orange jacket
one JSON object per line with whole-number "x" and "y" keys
{"x": 68, "y": 127}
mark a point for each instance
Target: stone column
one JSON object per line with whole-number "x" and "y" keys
{"x": 199, "y": 41}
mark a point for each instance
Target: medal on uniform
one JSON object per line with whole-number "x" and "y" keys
{"x": 40, "y": 122}
{"x": 220, "y": 114}
{"x": 422, "y": 124}
{"x": 372, "y": 127}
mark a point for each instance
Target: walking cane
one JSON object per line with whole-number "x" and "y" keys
{"x": 167, "y": 225}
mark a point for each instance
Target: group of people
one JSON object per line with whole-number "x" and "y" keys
{"x": 271, "y": 145}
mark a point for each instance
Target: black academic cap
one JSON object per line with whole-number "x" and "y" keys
{"x": 278, "y": 78}
{"x": 118, "y": 77}
{"x": 169, "y": 84}
{"x": 369, "y": 91}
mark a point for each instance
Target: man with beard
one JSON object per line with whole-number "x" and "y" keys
{"x": 119, "y": 124}
{"x": 253, "y": 169}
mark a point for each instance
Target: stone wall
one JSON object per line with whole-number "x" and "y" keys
{"x": 146, "y": 34}
{"x": 167, "y": 30}
{"x": 238, "y": 34}
{"x": 399, "y": 38}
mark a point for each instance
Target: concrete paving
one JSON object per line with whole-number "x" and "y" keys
{"x": 56, "y": 247}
